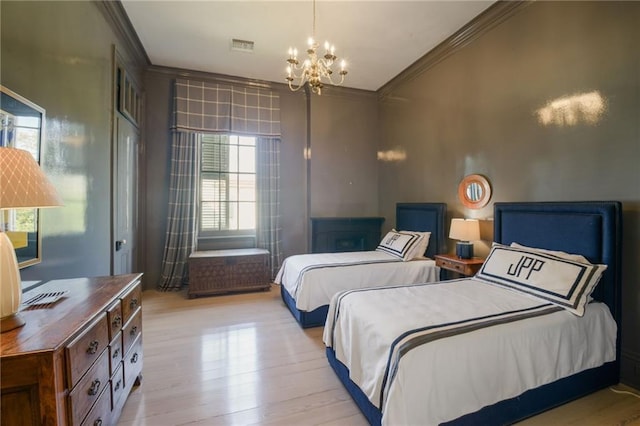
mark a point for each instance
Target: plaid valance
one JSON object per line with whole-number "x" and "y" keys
{"x": 212, "y": 107}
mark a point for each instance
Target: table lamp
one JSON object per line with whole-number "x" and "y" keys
{"x": 22, "y": 185}
{"x": 465, "y": 230}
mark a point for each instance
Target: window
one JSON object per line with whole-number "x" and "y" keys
{"x": 227, "y": 194}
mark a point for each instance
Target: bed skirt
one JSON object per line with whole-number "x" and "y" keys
{"x": 315, "y": 318}
{"x": 528, "y": 404}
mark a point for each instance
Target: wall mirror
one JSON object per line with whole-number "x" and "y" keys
{"x": 474, "y": 191}
{"x": 21, "y": 124}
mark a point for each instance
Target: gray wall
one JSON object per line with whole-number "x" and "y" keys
{"x": 59, "y": 55}
{"x": 475, "y": 112}
{"x": 344, "y": 169}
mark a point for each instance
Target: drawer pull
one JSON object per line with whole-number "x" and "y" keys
{"x": 93, "y": 347}
{"x": 95, "y": 387}
{"x": 117, "y": 386}
{"x": 117, "y": 322}
{"x": 134, "y": 303}
{"x": 133, "y": 331}
{"x": 116, "y": 353}
{"x": 134, "y": 358}
{"x": 98, "y": 422}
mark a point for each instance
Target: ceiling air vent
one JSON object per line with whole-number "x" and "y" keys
{"x": 242, "y": 45}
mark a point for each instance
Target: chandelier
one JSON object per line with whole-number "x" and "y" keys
{"x": 316, "y": 70}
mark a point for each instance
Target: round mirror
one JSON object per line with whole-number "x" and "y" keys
{"x": 474, "y": 191}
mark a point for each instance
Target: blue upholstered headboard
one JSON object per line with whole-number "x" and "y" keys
{"x": 424, "y": 217}
{"x": 592, "y": 229}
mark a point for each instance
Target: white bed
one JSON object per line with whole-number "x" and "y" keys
{"x": 308, "y": 281}
{"x": 530, "y": 331}
{"x": 313, "y": 279}
{"x": 425, "y": 388}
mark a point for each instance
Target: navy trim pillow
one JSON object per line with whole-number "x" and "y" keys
{"x": 399, "y": 244}
{"x": 563, "y": 282}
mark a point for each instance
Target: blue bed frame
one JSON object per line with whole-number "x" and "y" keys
{"x": 593, "y": 229}
{"x": 409, "y": 216}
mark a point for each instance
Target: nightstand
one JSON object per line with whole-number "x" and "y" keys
{"x": 463, "y": 267}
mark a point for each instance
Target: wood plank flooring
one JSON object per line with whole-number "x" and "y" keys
{"x": 242, "y": 359}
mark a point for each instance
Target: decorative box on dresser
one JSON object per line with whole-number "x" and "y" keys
{"x": 75, "y": 360}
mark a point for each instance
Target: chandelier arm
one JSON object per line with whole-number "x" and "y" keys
{"x": 300, "y": 85}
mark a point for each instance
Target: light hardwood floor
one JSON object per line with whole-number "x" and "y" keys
{"x": 242, "y": 359}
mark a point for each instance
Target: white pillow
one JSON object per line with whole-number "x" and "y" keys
{"x": 562, "y": 254}
{"x": 399, "y": 244}
{"x": 422, "y": 245}
{"x": 563, "y": 282}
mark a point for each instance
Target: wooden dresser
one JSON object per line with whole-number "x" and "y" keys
{"x": 223, "y": 271}
{"x": 75, "y": 360}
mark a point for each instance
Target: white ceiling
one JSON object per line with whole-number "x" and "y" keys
{"x": 378, "y": 39}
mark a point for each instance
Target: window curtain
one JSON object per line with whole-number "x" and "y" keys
{"x": 181, "y": 223}
{"x": 206, "y": 107}
{"x": 268, "y": 200}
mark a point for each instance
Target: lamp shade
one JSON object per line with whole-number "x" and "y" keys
{"x": 22, "y": 182}
{"x": 464, "y": 229}
{"x": 22, "y": 185}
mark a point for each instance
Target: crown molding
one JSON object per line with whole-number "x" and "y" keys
{"x": 118, "y": 19}
{"x": 483, "y": 23}
{"x": 334, "y": 91}
{"x": 212, "y": 77}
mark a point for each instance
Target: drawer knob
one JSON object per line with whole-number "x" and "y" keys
{"x": 133, "y": 331}
{"x": 134, "y": 303}
{"x": 134, "y": 358}
{"x": 98, "y": 422}
{"x": 117, "y": 386}
{"x": 93, "y": 347}
{"x": 116, "y": 353}
{"x": 95, "y": 387}
{"x": 117, "y": 321}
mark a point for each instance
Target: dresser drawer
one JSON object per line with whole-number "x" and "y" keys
{"x": 89, "y": 388}
{"x": 118, "y": 393}
{"x": 133, "y": 363}
{"x": 114, "y": 317}
{"x": 86, "y": 348}
{"x": 100, "y": 414}
{"x": 131, "y": 331}
{"x": 115, "y": 353}
{"x": 131, "y": 302}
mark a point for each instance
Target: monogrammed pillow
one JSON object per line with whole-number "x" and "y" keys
{"x": 399, "y": 244}
{"x": 561, "y": 281}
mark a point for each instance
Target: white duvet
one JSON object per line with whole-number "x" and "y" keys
{"x": 453, "y": 376}
{"x": 313, "y": 279}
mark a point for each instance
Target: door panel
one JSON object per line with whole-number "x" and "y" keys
{"x": 125, "y": 173}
